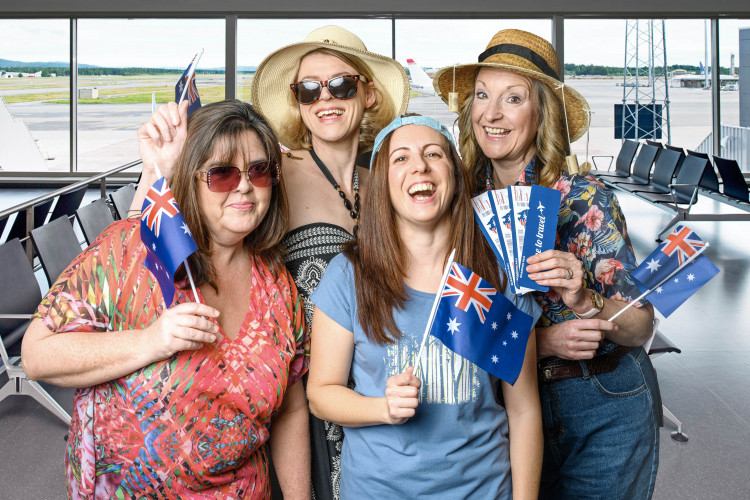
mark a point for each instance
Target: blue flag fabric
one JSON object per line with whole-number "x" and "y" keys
{"x": 478, "y": 322}
{"x": 166, "y": 236}
{"x": 672, "y": 254}
{"x": 191, "y": 95}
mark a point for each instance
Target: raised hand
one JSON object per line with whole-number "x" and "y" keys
{"x": 161, "y": 139}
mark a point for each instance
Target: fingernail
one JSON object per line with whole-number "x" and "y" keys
{"x": 213, "y": 338}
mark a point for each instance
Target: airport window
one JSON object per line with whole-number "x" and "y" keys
{"x": 256, "y": 38}
{"x": 34, "y": 86}
{"x": 125, "y": 63}
{"x": 595, "y": 53}
{"x": 734, "y": 60}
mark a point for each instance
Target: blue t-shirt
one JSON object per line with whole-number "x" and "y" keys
{"x": 456, "y": 446}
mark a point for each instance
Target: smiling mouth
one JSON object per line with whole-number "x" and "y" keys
{"x": 496, "y": 132}
{"x": 422, "y": 191}
{"x": 329, "y": 113}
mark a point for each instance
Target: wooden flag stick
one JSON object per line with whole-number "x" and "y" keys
{"x": 688, "y": 261}
{"x": 417, "y": 363}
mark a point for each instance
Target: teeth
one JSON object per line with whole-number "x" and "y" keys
{"x": 330, "y": 112}
{"x": 491, "y": 131}
{"x": 422, "y": 187}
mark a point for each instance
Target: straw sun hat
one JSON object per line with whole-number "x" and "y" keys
{"x": 524, "y": 53}
{"x": 270, "y": 91}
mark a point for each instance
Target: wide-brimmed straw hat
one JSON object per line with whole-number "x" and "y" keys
{"x": 524, "y": 53}
{"x": 270, "y": 88}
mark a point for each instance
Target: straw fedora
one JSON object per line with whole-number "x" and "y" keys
{"x": 523, "y": 53}
{"x": 270, "y": 88}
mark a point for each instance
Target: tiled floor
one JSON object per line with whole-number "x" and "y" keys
{"x": 707, "y": 386}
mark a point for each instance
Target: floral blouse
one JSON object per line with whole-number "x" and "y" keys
{"x": 191, "y": 426}
{"x": 592, "y": 227}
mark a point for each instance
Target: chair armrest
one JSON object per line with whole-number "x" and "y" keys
{"x": 593, "y": 158}
{"x": 16, "y": 316}
{"x": 693, "y": 198}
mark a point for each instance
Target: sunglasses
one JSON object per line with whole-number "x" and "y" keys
{"x": 226, "y": 178}
{"x": 340, "y": 87}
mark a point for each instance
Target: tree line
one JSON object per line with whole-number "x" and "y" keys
{"x": 598, "y": 70}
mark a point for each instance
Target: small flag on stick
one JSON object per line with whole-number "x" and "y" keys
{"x": 166, "y": 236}
{"x": 186, "y": 86}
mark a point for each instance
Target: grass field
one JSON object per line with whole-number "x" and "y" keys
{"x": 116, "y": 89}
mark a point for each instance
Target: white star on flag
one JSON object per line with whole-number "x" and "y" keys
{"x": 509, "y": 316}
{"x": 653, "y": 265}
{"x": 494, "y": 325}
{"x": 658, "y": 290}
{"x": 453, "y": 326}
{"x": 505, "y": 342}
{"x": 514, "y": 334}
{"x": 185, "y": 228}
{"x": 690, "y": 277}
{"x": 677, "y": 280}
{"x": 494, "y": 359}
{"x": 153, "y": 245}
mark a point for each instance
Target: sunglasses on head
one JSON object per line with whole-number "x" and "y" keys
{"x": 340, "y": 87}
{"x": 226, "y": 178}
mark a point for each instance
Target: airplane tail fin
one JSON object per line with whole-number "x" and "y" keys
{"x": 420, "y": 81}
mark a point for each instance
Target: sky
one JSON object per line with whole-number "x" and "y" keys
{"x": 433, "y": 43}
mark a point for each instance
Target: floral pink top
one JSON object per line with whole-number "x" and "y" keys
{"x": 191, "y": 426}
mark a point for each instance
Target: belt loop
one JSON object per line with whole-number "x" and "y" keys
{"x": 584, "y": 369}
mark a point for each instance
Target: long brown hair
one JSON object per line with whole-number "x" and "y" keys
{"x": 374, "y": 119}
{"x": 551, "y": 145}
{"x": 379, "y": 258}
{"x": 220, "y": 126}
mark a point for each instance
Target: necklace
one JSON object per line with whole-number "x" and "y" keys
{"x": 353, "y": 208}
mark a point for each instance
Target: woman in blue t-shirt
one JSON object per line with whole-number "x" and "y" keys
{"x": 446, "y": 437}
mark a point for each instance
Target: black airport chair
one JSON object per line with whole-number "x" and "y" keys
{"x": 641, "y": 167}
{"x": 664, "y": 171}
{"x": 57, "y": 245}
{"x": 622, "y": 164}
{"x": 734, "y": 183}
{"x": 121, "y": 200}
{"x": 710, "y": 180}
{"x": 68, "y": 203}
{"x": 18, "y": 229}
{"x": 94, "y": 218}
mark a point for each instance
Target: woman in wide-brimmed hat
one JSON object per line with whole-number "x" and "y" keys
{"x": 597, "y": 386}
{"x": 326, "y": 97}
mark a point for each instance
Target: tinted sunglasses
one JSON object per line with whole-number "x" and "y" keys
{"x": 226, "y": 178}
{"x": 340, "y": 87}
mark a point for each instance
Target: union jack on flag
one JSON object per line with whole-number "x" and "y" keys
{"x": 493, "y": 336}
{"x": 159, "y": 202}
{"x": 469, "y": 290}
{"x": 683, "y": 241}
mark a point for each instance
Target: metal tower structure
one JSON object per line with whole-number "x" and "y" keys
{"x": 645, "y": 89}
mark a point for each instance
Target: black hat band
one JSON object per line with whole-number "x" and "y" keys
{"x": 521, "y": 51}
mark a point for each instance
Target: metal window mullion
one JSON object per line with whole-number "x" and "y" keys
{"x": 715, "y": 87}
{"x": 230, "y": 58}
{"x": 73, "y": 95}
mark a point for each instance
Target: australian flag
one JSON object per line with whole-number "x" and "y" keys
{"x": 166, "y": 236}
{"x": 191, "y": 95}
{"x": 476, "y": 321}
{"x": 670, "y": 256}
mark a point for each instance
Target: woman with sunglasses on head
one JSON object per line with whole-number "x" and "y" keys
{"x": 446, "y": 437}
{"x": 186, "y": 401}
{"x": 600, "y": 399}
{"x": 326, "y": 98}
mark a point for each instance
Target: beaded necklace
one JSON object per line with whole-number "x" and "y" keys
{"x": 353, "y": 208}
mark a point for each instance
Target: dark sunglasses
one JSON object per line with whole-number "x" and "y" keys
{"x": 340, "y": 87}
{"x": 226, "y": 178}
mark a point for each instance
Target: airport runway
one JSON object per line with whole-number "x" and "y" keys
{"x": 106, "y": 136}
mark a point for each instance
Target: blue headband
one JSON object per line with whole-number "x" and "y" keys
{"x": 402, "y": 120}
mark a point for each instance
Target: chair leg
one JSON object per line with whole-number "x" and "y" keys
{"x": 677, "y": 435}
{"x": 8, "y": 389}
{"x": 36, "y": 391}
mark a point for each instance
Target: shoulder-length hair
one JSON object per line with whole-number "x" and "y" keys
{"x": 379, "y": 258}
{"x": 220, "y": 127}
{"x": 375, "y": 118}
{"x": 551, "y": 145}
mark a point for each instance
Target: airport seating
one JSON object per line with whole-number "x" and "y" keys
{"x": 121, "y": 200}
{"x": 16, "y": 309}
{"x": 18, "y": 229}
{"x": 94, "y": 218}
{"x": 622, "y": 164}
{"x": 655, "y": 144}
{"x": 664, "y": 170}
{"x": 68, "y": 203}
{"x": 734, "y": 184}
{"x": 659, "y": 344}
{"x": 3, "y": 223}
{"x": 57, "y": 245}
{"x": 710, "y": 180}
{"x": 641, "y": 168}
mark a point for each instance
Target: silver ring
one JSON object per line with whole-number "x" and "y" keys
{"x": 570, "y": 274}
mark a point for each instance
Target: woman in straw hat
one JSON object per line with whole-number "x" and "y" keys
{"x": 434, "y": 431}
{"x": 600, "y": 402}
{"x": 326, "y": 97}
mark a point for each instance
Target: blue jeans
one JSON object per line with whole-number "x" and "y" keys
{"x": 601, "y": 433}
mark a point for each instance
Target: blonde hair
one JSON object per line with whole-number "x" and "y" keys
{"x": 551, "y": 142}
{"x": 375, "y": 118}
